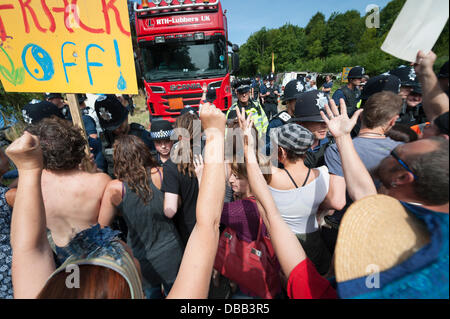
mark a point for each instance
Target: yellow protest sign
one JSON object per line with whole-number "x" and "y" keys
{"x": 67, "y": 46}
{"x": 345, "y": 72}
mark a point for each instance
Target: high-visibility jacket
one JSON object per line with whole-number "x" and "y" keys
{"x": 255, "y": 109}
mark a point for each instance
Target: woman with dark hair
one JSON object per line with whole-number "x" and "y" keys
{"x": 180, "y": 185}
{"x": 101, "y": 247}
{"x": 300, "y": 192}
{"x": 136, "y": 193}
{"x": 241, "y": 215}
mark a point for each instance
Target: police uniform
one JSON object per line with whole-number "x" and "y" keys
{"x": 253, "y": 108}
{"x": 111, "y": 114}
{"x": 291, "y": 91}
{"x": 307, "y": 109}
{"x": 271, "y": 100}
{"x": 351, "y": 97}
{"x": 408, "y": 78}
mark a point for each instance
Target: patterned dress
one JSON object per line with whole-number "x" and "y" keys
{"x": 6, "y": 291}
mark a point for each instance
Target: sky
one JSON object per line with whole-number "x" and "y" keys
{"x": 249, "y": 16}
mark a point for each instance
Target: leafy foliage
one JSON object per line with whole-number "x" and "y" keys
{"x": 328, "y": 46}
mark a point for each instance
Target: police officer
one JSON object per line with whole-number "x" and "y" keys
{"x": 411, "y": 92}
{"x": 34, "y": 112}
{"x": 271, "y": 98}
{"x": 58, "y": 100}
{"x": 113, "y": 117}
{"x": 291, "y": 91}
{"x": 251, "y": 107}
{"x": 256, "y": 88}
{"x": 350, "y": 92}
{"x": 307, "y": 114}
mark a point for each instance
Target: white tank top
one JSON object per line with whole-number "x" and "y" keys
{"x": 299, "y": 206}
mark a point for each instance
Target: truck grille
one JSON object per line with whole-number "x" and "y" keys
{"x": 188, "y": 99}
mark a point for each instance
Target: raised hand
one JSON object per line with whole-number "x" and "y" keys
{"x": 339, "y": 124}
{"x": 212, "y": 117}
{"x": 246, "y": 125}
{"x": 424, "y": 62}
{"x": 26, "y": 153}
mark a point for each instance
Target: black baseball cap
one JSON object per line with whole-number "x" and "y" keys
{"x": 308, "y": 106}
{"x": 110, "y": 111}
{"x": 34, "y": 112}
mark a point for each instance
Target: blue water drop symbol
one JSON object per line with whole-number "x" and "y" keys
{"x": 121, "y": 84}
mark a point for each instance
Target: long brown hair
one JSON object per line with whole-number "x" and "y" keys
{"x": 186, "y": 121}
{"x": 132, "y": 165}
{"x": 96, "y": 282}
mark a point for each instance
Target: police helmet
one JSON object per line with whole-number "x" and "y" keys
{"x": 34, "y": 112}
{"x": 81, "y": 98}
{"x": 357, "y": 72}
{"x": 406, "y": 74}
{"x": 308, "y": 106}
{"x": 110, "y": 111}
{"x": 49, "y": 96}
{"x": 383, "y": 82}
{"x": 292, "y": 89}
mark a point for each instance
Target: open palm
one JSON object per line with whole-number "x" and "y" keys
{"x": 339, "y": 124}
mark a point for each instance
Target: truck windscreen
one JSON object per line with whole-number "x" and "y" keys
{"x": 183, "y": 60}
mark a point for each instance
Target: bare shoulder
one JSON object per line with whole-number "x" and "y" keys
{"x": 101, "y": 178}
{"x": 114, "y": 185}
{"x": 113, "y": 191}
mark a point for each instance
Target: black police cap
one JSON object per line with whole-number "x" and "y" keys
{"x": 161, "y": 130}
{"x": 110, "y": 111}
{"x": 384, "y": 82}
{"x": 292, "y": 90}
{"x": 242, "y": 85}
{"x": 35, "y": 112}
{"x": 308, "y": 106}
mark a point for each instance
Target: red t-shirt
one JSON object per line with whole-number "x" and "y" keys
{"x": 306, "y": 283}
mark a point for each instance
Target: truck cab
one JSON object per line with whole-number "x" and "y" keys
{"x": 182, "y": 46}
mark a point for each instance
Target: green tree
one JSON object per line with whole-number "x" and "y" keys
{"x": 315, "y": 36}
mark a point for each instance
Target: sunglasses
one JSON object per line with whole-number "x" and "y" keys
{"x": 402, "y": 163}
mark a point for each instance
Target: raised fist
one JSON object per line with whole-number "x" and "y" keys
{"x": 212, "y": 117}
{"x": 26, "y": 152}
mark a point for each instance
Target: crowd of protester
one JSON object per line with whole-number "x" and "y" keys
{"x": 323, "y": 193}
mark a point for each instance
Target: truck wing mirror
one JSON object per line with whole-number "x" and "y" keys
{"x": 235, "y": 63}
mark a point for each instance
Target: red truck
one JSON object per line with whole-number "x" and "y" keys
{"x": 182, "y": 46}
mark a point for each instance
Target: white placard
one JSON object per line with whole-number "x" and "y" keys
{"x": 417, "y": 27}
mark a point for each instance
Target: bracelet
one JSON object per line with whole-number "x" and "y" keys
{"x": 204, "y": 101}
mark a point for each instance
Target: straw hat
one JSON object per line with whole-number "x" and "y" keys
{"x": 376, "y": 230}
